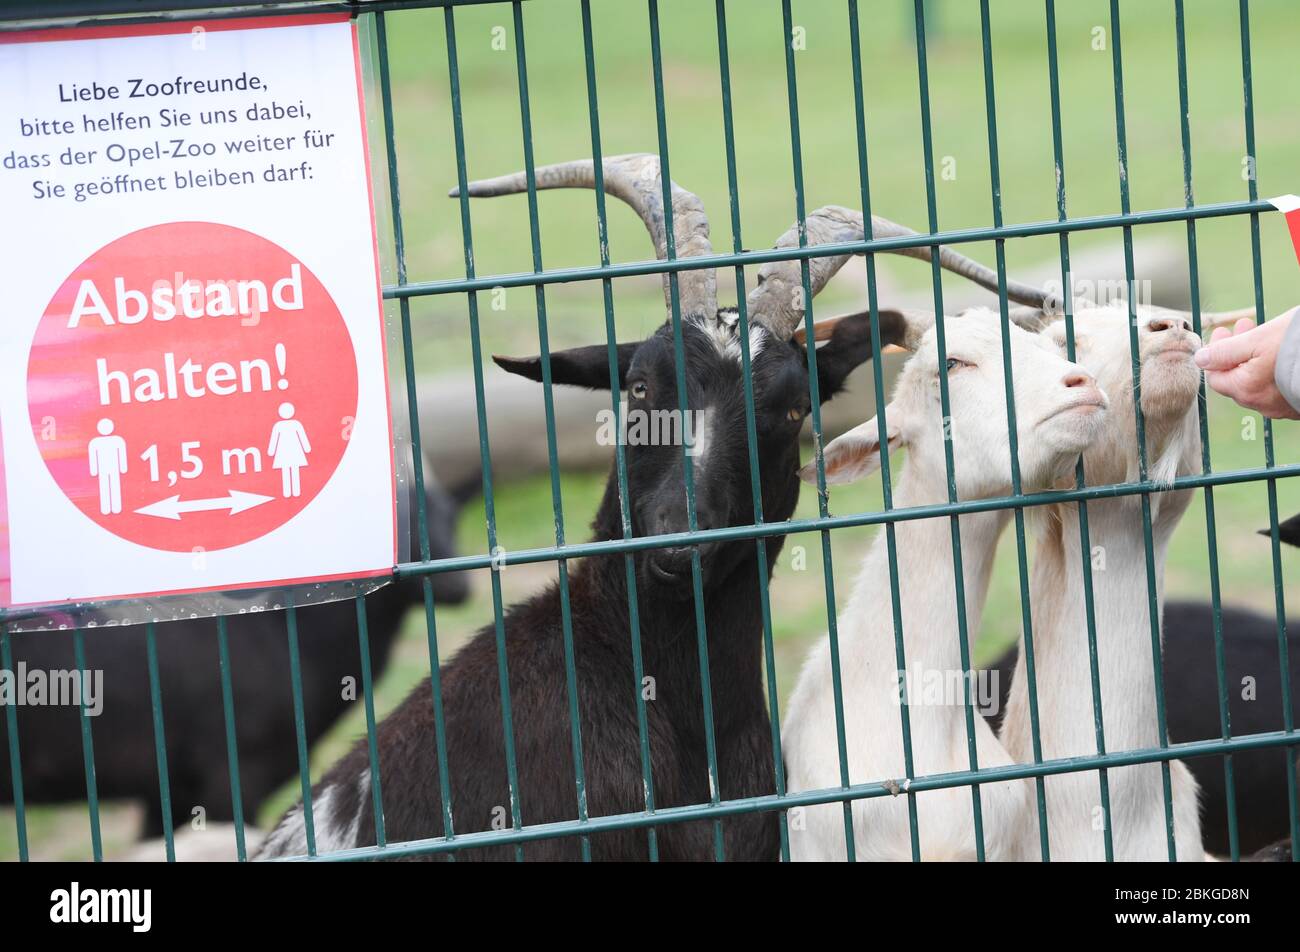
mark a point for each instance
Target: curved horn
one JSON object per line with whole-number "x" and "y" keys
{"x": 634, "y": 179}
{"x": 777, "y": 300}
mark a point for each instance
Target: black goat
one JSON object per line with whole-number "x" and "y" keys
{"x": 125, "y": 764}
{"x": 1191, "y": 690}
{"x": 475, "y": 751}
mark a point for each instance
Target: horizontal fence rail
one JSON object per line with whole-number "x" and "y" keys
{"x": 880, "y": 788}
{"x": 792, "y": 526}
{"x": 424, "y": 567}
{"x": 830, "y": 249}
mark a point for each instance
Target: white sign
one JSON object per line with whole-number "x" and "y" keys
{"x": 193, "y": 392}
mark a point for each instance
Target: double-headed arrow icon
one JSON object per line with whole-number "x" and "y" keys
{"x": 173, "y": 506}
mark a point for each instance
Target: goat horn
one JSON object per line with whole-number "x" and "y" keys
{"x": 777, "y": 300}
{"x": 634, "y": 179}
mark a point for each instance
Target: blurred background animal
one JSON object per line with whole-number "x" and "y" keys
{"x": 193, "y": 715}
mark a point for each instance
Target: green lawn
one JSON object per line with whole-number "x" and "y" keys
{"x": 561, "y": 131}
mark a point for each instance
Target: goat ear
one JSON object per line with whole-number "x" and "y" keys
{"x": 1288, "y": 531}
{"x": 848, "y": 344}
{"x": 578, "y": 366}
{"x": 854, "y": 454}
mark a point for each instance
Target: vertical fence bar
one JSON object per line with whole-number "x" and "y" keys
{"x": 548, "y": 403}
{"x": 160, "y": 742}
{"x": 751, "y": 431}
{"x": 1153, "y": 609}
{"x": 1288, "y": 721}
{"x": 232, "y": 743}
{"x": 413, "y": 411}
{"x": 368, "y": 699}
{"x": 796, "y": 156}
{"x": 439, "y": 717}
{"x": 88, "y": 750}
{"x": 882, "y": 425}
{"x": 679, "y": 360}
{"x": 15, "y": 758}
{"x": 1022, "y": 562}
{"x": 620, "y": 455}
{"x": 1216, "y": 608}
{"x": 485, "y": 451}
{"x": 363, "y": 637}
{"x": 300, "y": 723}
{"x": 1085, "y": 541}
{"x": 963, "y": 635}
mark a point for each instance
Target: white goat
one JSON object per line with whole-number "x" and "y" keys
{"x": 1169, "y": 384}
{"x": 1059, "y": 409}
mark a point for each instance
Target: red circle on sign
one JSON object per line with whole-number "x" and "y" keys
{"x": 192, "y": 386}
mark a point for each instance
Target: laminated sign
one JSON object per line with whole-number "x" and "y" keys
{"x": 193, "y": 390}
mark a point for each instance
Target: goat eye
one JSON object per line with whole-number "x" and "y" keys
{"x": 955, "y": 363}
{"x": 638, "y": 390}
{"x": 794, "y": 414}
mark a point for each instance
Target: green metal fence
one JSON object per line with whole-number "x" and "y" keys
{"x": 539, "y": 278}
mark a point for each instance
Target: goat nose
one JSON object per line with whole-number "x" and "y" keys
{"x": 1078, "y": 378}
{"x": 667, "y": 521}
{"x": 707, "y": 518}
{"x": 672, "y": 519}
{"x": 1168, "y": 323}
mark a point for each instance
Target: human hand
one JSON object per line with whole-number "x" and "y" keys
{"x": 1239, "y": 364}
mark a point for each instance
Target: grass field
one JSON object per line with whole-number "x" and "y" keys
{"x": 561, "y": 131}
